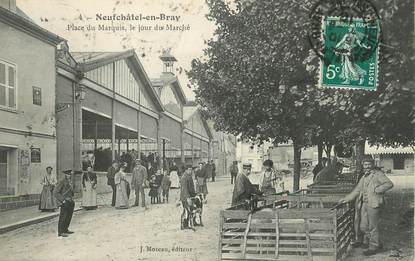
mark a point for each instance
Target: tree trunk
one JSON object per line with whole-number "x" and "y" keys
{"x": 328, "y": 151}
{"x": 320, "y": 152}
{"x": 297, "y": 166}
{"x": 360, "y": 152}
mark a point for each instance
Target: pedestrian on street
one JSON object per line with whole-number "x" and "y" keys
{"x": 159, "y": 180}
{"x": 208, "y": 170}
{"x": 89, "y": 193}
{"x": 270, "y": 183}
{"x": 47, "y": 200}
{"x": 110, "y": 176}
{"x": 213, "y": 170}
{"x": 165, "y": 185}
{"x": 369, "y": 194}
{"x": 233, "y": 170}
{"x": 243, "y": 189}
{"x": 201, "y": 178}
{"x": 153, "y": 192}
{"x": 64, "y": 196}
{"x": 187, "y": 190}
{"x": 121, "y": 183}
{"x": 139, "y": 182}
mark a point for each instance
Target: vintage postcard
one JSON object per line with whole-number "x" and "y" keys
{"x": 207, "y": 130}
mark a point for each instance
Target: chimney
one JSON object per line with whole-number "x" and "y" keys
{"x": 9, "y": 5}
{"x": 168, "y": 63}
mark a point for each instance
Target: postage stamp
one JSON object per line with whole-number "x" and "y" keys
{"x": 351, "y": 53}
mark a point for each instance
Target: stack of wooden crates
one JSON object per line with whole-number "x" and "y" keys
{"x": 306, "y": 225}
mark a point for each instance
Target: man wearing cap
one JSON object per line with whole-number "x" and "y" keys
{"x": 138, "y": 182}
{"x": 110, "y": 176}
{"x": 187, "y": 190}
{"x": 369, "y": 194}
{"x": 243, "y": 189}
{"x": 64, "y": 197}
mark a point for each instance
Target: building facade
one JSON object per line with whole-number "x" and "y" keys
{"x": 27, "y": 103}
{"x": 171, "y": 119}
{"x": 197, "y": 136}
{"x": 398, "y": 160}
{"x": 223, "y": 150}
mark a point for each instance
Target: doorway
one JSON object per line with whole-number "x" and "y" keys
{"x": 3, "y": 172}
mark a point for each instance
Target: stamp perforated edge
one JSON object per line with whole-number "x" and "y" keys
{"x": 320, "y": 85}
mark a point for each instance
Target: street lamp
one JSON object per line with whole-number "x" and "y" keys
{"x": 80, "y": 93}
{"x": 79, "y": 96}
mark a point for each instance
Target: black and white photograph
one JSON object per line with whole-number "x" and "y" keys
{"x": 203, "y": 130}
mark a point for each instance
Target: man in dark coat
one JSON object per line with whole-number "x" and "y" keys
{"x": 243, "y": 189}
{"x": 64, "y": 197}
{"x": 201, "y": 177}
{"x": 139, "y": 181}
{"x": 110, "y": 176}
{"x": 187, "y": 190}
{"x": 208, "y": 170}
{"x": 212, "y": 163}
{"x": 233, "y": 170}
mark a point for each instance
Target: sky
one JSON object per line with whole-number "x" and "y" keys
{"x": 56, "y": 15}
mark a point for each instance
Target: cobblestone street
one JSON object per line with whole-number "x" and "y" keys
{"x": 109, "y": 234}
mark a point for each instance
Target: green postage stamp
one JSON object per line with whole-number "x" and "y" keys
{"x": 351, "y": 54}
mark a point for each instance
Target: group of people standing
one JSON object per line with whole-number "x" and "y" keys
{"x": 270, "y": 182}
{"x": 157, "y": 180}
{"x": 367, "y": 196}
{"x": 48, "y": 202}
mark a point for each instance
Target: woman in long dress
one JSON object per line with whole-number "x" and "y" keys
{"x": 120, "y": 179}
{"x": 47, "y": 200}
{"x": 174, "y": 178}
{"x": 89, "y": 194}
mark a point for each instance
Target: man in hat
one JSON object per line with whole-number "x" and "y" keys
{"x": 64, "y": 197}
{"x": 110, "y": 176}
{"x": 187, "y": 190}
{"x": 369, "y": 194}
{"x": 138, "y": 182}
{"x": 243, "y": 189}
{"x": 233, "y": 170}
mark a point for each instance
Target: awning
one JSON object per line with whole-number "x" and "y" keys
{"x": 388, "y": 150}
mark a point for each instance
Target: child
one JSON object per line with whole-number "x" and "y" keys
{"x": 165, "y": 185}
{"x": 153, "y": 193}
{"x": 159, "y": 179}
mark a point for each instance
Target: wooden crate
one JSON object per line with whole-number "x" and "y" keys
{"x": 337, "y": 188}
{"x": 299, "y": 230}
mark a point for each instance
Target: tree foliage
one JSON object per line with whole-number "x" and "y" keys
{"x": 258, "y": 79}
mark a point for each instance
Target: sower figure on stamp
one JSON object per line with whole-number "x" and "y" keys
{"x": 64, "y": 196}
{"x": 110, "y": 176}
{"x": 139, "y": 181}
{"x": 369, "y": 194}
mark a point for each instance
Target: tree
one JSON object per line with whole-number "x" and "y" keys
{"x": 253, "y": 82}
{"x": 256, "y": 81}
{"x": 385, "y": 117}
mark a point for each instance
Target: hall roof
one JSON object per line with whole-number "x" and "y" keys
{"x": 92, "y": 60}
{"x": 174, "y": 81}
{"x": 388, "y": 150}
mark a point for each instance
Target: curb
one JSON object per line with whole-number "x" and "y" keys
{"x": 32, "y": 221}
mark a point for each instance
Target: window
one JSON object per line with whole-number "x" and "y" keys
{"x": 398, "y": 162}
{"x": 37, "y": 96}
{"x": 35, "y": 155}
{"x": 7, "y": 85}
